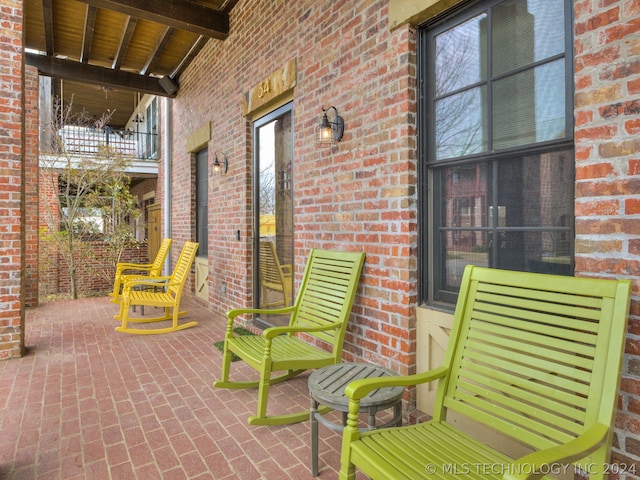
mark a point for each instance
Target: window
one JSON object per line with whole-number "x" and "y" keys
{"x": 202, "y": 202}
{"x": 496, "y": 142}
{"x": 152, "y": 130}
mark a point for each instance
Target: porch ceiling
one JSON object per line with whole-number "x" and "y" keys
{"x": 105, "y": 52}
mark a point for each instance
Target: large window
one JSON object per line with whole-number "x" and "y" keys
{"x": 496, "y": 116}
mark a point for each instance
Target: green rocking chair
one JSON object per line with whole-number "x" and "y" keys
{"x": 321, "y": 310}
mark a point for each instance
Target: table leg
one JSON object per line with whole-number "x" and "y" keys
{"x": 397, "y": 413}
{"x": 371, "y": 420}
{"x": 314, "y": 437}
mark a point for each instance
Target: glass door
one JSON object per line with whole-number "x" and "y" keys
{"x": 201, "y": 262}
{"x": 273, "y": 207}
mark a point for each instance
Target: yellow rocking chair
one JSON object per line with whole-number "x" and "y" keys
{"x": 321, "y": 310}
{"x": 144, "y": 291}
{"x": 153, "y": 270}
{"x": 274, "y": 277}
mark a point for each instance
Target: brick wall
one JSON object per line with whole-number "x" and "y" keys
{"x": 607, "y": 103}
{"x": 11, "y": 181}
{"x": 360, "y": 195}
{"x": 93, "y": 279}
{"x": 32, "y": 145}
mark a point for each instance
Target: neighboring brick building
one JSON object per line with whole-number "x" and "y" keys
{"x": 364, "y": 193}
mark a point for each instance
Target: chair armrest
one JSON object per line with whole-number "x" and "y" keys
{"x": 134, "y": 266}
{"x": 286, "y": 269}
{"x": 231, "y": 314}
{"x": 576, "y": 449}
{"x": 153, "y": 282}
{"x": 272, "y": 332}
{"x": 360, "y": 388}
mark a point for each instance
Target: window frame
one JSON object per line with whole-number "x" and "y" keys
{"x": 428, "y": 258}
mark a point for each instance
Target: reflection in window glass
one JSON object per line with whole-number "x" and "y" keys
{"x": 526, "y": 31}
{"x": 517, "y": 93}
{"x": 529, "y": 107}
{"x": 550, "y": 101}
{"x": 465, "y": 43}
{"x": 522, "y": 221}
{"x": 461, "y": 124}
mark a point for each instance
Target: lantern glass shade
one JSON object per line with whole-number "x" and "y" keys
{"x": 329, "y": 132}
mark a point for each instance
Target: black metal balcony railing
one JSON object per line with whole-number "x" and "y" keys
{"x": 87, "y": 141}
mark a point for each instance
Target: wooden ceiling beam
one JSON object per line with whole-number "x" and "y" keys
{"x": 179, "y": 14}
{"x": 47, "y": 10}
{"x": 89, "y": 28}
{"x": 161, "y": 44}
{"x": 188, "y": 58}
{"x": 84, "y": 72}
{"x": 125, "y": 39}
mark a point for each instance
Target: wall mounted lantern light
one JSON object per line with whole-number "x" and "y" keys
{"x": 221, "y": 166}
{"x": 329, "y": 132}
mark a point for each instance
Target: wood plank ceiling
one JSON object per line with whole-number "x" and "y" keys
{"x": 106, "y": 53}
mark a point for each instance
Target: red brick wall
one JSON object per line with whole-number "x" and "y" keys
{"x": 359, "y": 195}
{"x": 11, "y": 182}
{"x": 47, "y": 270}
{"x": 93, "y": 279}
{"x": 607, "y": 103}
{"x": 32, "y": 145}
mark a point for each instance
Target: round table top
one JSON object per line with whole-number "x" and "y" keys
{"x": 327, "y": 384}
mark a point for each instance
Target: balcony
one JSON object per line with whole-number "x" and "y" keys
{"x": 77, "y": 141}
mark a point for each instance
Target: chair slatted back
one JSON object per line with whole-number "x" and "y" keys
{"x": 163, "y": 251}
{"x": 327, "y": 292}
{"x": 531, "y": 354}
{"x": 270, "y": 269}
{"x": 183, "y": 267}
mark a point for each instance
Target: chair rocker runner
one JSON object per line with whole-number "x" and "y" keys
{"x": 274, "y": 277}
{"x": 153, "y": 270}
{"x": 532, "y": 358}
{"x": 321, "y": 310}
{"x": 144, "y": 291}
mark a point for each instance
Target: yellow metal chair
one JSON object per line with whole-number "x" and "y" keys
{"x": 153, "y": 270}
{"x": 144, "y": 291}
{"x": 274, "y": 277}
{"x": 321, "y": 310}
{"x": 533, "y": 358}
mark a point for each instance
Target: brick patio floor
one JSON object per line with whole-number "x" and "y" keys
{"x": 87, "y": 402}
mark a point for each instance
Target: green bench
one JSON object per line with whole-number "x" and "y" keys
{"x": 533, "y": 358}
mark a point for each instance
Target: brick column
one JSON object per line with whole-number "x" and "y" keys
{"x": 31, "y": 186}
{"x": 607, "y": 135}
{"x": 11, "y": 180}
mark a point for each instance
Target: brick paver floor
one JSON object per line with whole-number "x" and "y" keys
{"x": 87, "y": 402}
